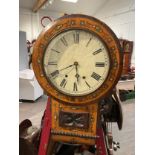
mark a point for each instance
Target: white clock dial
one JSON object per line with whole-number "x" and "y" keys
{"x": 76, "y": 62}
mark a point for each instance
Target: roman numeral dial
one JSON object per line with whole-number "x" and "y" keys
{"x": 76, "y": 37}
{"x": 63, "y": 40}
{"x": 88, "y": 42}
{"x": 75, "y": 88}
{"x": 76, "y": 62}
{"x": 54, "y": 74}
{"x": 96, "y": 76}
{"x": 55, "y": 50}
{"x": 87, "y": 84}
{"x": 97, "y": 51}
{"x": 99, "y": 64}
{"x": 52, "y": 63}
{"x": 63, "y": 83}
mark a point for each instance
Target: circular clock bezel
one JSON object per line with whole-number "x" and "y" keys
{"x": 54, "y": 38}
{"x": 94, "y": 26}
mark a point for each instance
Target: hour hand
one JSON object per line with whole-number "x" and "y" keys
{"x": 77, "y": 77}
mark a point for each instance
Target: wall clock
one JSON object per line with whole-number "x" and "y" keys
{"x": 77, "y": 61}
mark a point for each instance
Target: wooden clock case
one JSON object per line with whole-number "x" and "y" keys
{"x": 83, "y": 111}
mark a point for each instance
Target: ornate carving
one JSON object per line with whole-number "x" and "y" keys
{"x": 74, "y": 120}
{"x": 74, "y": 134}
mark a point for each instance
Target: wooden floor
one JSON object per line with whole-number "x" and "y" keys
{"x": 126, "y": 136}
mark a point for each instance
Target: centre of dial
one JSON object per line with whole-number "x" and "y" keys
{"x": 77, "y": 75}
{"x": 76, "y": 63}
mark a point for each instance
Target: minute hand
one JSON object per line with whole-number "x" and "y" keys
{"x": 66, "y": 67}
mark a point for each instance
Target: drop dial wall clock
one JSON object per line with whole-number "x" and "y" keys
{"x": 77, "y": 59}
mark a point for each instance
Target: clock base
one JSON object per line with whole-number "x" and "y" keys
{"x": 53, "y": 131}
{"x": 74, "y": 124}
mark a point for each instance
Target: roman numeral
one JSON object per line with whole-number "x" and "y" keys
{"x": 63, "y": 83}
{"x": 75, "y": 87}
{"x": 100, "y": 64}
{"x": 55, "y": 50}
{"x": 52, "y": 63}
{"x": 97, "y": 51}
{"x": 88, "y": 42}
{"x": 63, "y": 40}
{"x": 55, "y": 73}
{"x": 87, "y": 84}
{"x": 76, "y": 37}
{"x": 95, "y": 76}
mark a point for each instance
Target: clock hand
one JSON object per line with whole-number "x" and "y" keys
{"x": 66, "y": 67}
{"x": 56, "y": 73}
{"x": 76, "y": 75}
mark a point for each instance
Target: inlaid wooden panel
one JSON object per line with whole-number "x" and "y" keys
{"x": 74, "y": 134}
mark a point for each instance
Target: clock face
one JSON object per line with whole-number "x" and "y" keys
{"x": 76, "y": 62}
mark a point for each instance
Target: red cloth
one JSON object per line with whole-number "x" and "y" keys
{"x": 45, "y": 130}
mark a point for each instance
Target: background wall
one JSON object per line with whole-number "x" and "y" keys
{"x": 119, "y": 18}
{"x": 30, "y": 22}
{"x": 23, "y": 55}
